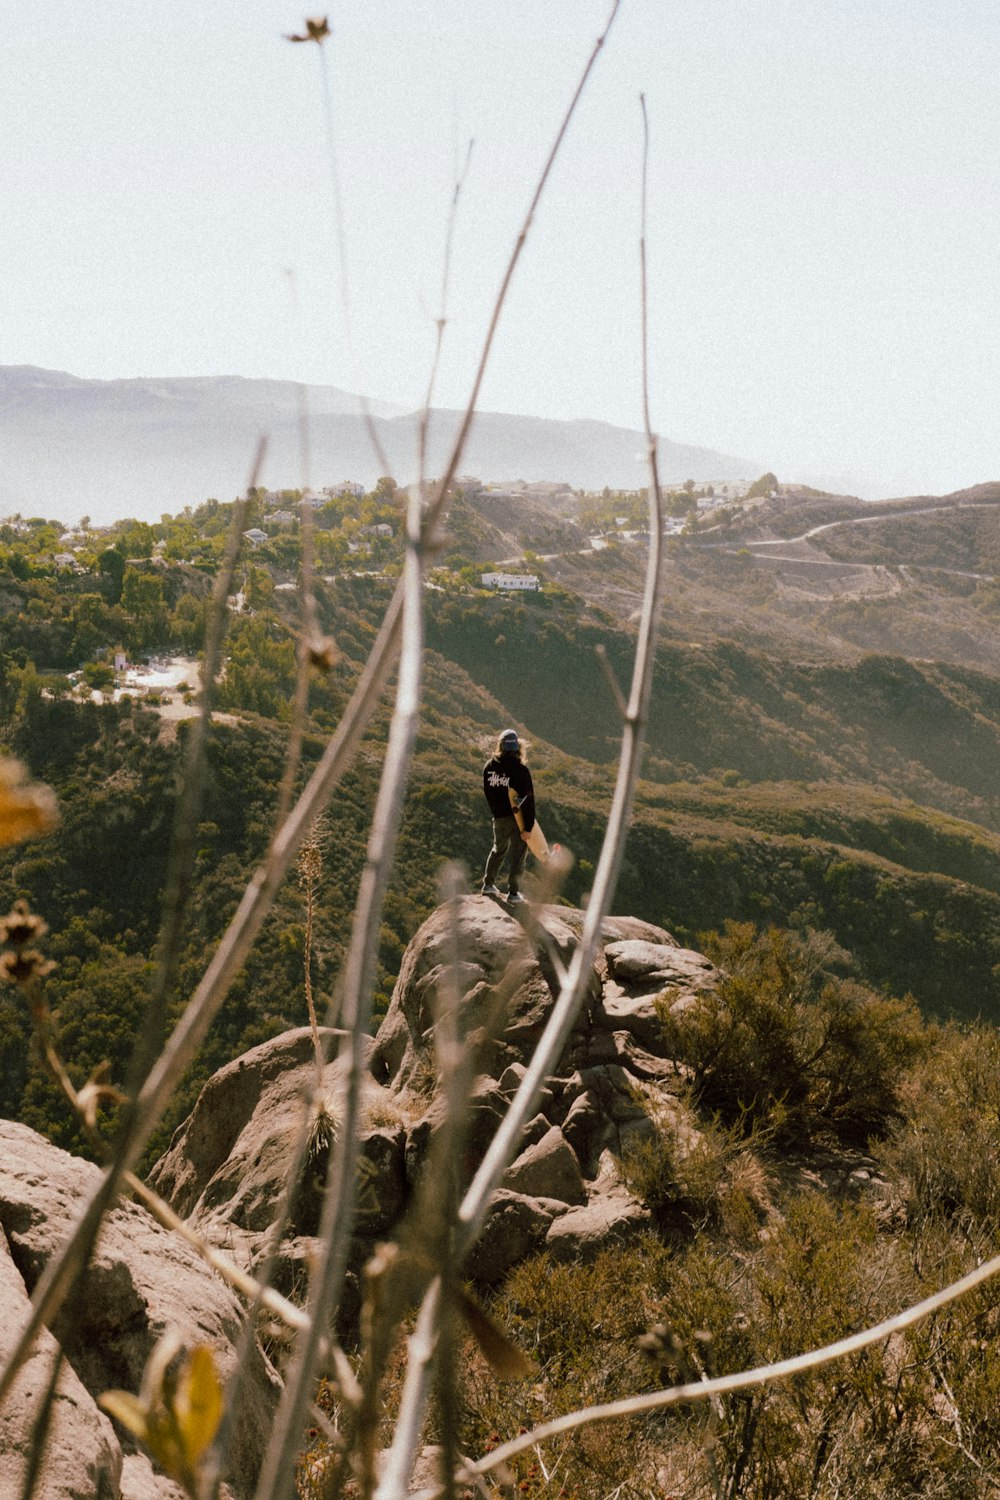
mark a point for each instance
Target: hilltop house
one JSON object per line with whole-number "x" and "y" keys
{"x": 525, "y": 582}
{"x": 255, "y": 536}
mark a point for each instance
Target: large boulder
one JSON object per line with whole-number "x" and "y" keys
{"x": 560, "y": 1190}
{"x": 227, "y": 1166}
{"x": 142, "y": 1281}
{"x": 83, "y": 1458}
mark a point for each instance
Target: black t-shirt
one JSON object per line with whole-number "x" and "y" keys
{"x": 499, "y": 775}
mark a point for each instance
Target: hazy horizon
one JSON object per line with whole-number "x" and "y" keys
{"x": 821, "y": 237}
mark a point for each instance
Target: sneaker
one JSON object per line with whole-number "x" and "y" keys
{"x": 514, "y": 898}
{"x": 490, "y": 890}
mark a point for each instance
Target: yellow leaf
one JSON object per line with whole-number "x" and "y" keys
{"x": 504, "y": 1357}
{"x": 175, "y": 1416}
{"x": 128, "y": 1410}
{"x": 198, "y": 1404}
{"x": 24, "y": 810}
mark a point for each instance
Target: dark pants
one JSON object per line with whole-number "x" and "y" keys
{"x": 507, "y": 843}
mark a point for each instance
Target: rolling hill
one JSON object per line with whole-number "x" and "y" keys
{"x": 141, "y": 447}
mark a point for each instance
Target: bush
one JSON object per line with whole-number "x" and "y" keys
{"x": 791, "y": 1046}
{"x": 584, "y": 1336}
{"x": 697, "y": 1178}
{"x": 945, "y": 1152}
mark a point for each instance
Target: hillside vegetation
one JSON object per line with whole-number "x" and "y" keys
{"x": 819, "y": 812}
{"x": 822, "y": 788}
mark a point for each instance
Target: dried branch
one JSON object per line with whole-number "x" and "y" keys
{"x": 192, "y": 784}
{"x": 472, "y": 1210}
{"x": 341, "y": 234}
{"x": 204, "y": 1004}
{"x": 359, "y": 972}
{"x": 436, "y": 506}
{"x": 564, "y": 1012}
{"x": 600, "y": 651}
{"x": 721, "y": 1385}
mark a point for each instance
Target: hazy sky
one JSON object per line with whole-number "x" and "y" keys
{"x": 824, "y": 212}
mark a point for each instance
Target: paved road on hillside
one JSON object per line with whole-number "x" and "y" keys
{"x": 928, "y": 510}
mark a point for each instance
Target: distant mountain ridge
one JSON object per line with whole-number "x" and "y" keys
{"x": 144, "y": 446}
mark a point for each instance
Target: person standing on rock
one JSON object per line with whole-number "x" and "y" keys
{"x": 504, "y": 774}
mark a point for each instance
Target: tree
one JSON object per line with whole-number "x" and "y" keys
{"x": 143, "y": 602}
{"x": 386, "y": 489}
{"x": 762, "y": 486}
{"x": 258, "y": 586}
{"x": 99, "y": 676}
{"x": 111, "y": 565}
{"x": 136, "y": 539}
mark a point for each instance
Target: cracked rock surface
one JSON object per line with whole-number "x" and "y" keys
{"x": 142, "y": 1280}
{"x": 228, "y": 1164}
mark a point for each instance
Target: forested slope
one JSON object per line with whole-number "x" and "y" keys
{"x": 830, "y": 789}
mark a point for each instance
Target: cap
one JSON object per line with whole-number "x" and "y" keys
{"x": 509, "y": 740}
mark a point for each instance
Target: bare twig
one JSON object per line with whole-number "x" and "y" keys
{"x": 721, "y": 1385}
{"x": 445, "y": 482}
{"x": 211, "y": 991}
{"x": 310, "y": 864}
{"x": 307, "y": 632}
{"x": 474, "y": 1205}
{"x": 341, "y": 234}
{"x": 440, "y": 324}
{"x": 338, "y": 1206}
{"x": 600, "y": 651}
{"x": 192, "y": 783}
{"x": 255, "y": 1291}
{"x": 564, "y": 1012}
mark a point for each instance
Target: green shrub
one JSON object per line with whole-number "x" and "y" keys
{"x": 790, "y": 1045}
{"x": 583, "y": 1333}
{"x": 945, "y": 1153}
{"x": 697, "y": 1178}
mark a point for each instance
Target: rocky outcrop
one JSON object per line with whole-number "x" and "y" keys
{"x": 142, "y": 1280}
{"x": 83, "y": 1460}
{"x": 228, "y": 1164}
{"x": 228, "y": 1167}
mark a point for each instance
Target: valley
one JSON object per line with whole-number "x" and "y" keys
{"x": 823, "y": 745}
{"x": 817, "y": 826}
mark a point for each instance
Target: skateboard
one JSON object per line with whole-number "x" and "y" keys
{"x": 536, "y": 841}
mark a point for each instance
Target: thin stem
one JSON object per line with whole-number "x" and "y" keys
{"x": 564, "y": 1012}
{"x": 341, "y": 1190}
{"x": 501, "y": 297}
{"x": 341, "y": 233}
{"x": 721, "y": 1385}
{"x": 562, "y": 1017}
{"x": 440, "y": 323}
{"x": 204, "y": 1004}
{"x": 308, "y": 632}
{"x": 192, "y": 785}
{"x": 600, "y": 651}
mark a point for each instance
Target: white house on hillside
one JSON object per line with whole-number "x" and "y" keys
{"x": 526, "y": 582}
